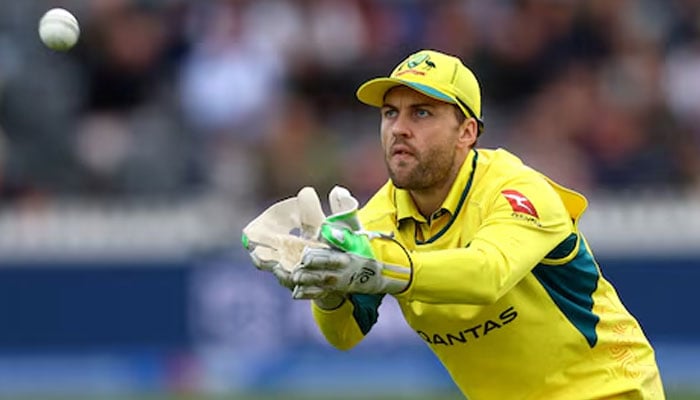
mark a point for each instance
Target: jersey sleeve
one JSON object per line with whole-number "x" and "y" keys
{"x": 523, "y": 222}
{"x": 347, "y": 325}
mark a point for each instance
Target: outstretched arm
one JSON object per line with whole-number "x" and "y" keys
{"x": 509, "y": 243}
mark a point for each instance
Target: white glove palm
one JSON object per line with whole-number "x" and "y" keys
{"x": 273, "y": 245}
{"x": 276, "y": 239}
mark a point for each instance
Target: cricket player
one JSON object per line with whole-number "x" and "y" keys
{"x": 482, "y": 253}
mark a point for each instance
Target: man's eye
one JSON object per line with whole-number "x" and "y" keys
{"x": 389, "y": 113}
{"x": 420, "y": 113}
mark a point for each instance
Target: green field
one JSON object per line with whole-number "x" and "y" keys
{"x": 283, "y": 396}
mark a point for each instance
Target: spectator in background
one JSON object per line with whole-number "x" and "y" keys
{"x": 297, "y": 150}
{"x": 228, "y": 85}
{"x": 365, "y": 176}
{"x": 128, "y": 140}
{"x": 125, "y": 44}
{"x": 547, "y": 131}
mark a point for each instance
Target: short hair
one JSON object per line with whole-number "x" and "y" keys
{"x": 459, "y": 114}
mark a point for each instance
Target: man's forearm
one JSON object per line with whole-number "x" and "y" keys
{"x": 338, "y": 325}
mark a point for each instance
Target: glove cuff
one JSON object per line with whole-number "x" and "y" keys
{"x": 330, "y": 302}
{"x": 397, "y": 263}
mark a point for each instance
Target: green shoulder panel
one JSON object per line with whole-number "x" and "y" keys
{"x": 571, "y": 287}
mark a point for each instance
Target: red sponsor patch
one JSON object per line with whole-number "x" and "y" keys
{"x": 520, "y": 203}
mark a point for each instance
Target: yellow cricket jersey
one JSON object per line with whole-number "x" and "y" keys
{"x": 505, "y": 290}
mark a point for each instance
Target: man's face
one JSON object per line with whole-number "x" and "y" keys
{"x": 419, "y": 136}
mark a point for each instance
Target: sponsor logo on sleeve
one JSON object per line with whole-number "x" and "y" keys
{"x": 520, "y": 203}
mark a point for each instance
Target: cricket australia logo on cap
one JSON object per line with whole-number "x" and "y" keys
{"x": 520, "y": 203}
{"x": 417, "y": 60}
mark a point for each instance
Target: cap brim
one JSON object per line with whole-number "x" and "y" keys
{"x": 373, "y": 91}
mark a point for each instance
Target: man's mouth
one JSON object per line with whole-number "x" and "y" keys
{"x": 401, "y": 150}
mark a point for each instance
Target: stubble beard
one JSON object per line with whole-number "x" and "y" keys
{"x": 429, "y": 170}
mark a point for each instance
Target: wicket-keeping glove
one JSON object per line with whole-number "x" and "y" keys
{"x": 343, "y": 213}
{"x": 276, "y": 238}
{"x": 349, "y": 265}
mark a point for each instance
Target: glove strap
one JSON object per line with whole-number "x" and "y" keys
{"x": 396, "y": 275}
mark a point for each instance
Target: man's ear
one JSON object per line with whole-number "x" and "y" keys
{"x": 468, "y": 132}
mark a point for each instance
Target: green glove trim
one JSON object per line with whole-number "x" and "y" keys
{"x": 346, "y": 240}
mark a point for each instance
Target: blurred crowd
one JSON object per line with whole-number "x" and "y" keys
{"x": 253, "y": 99}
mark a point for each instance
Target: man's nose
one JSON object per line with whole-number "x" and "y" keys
{"x": 401, "y": 125}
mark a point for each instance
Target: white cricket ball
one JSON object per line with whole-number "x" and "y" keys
{"x": 59, "y": 29}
